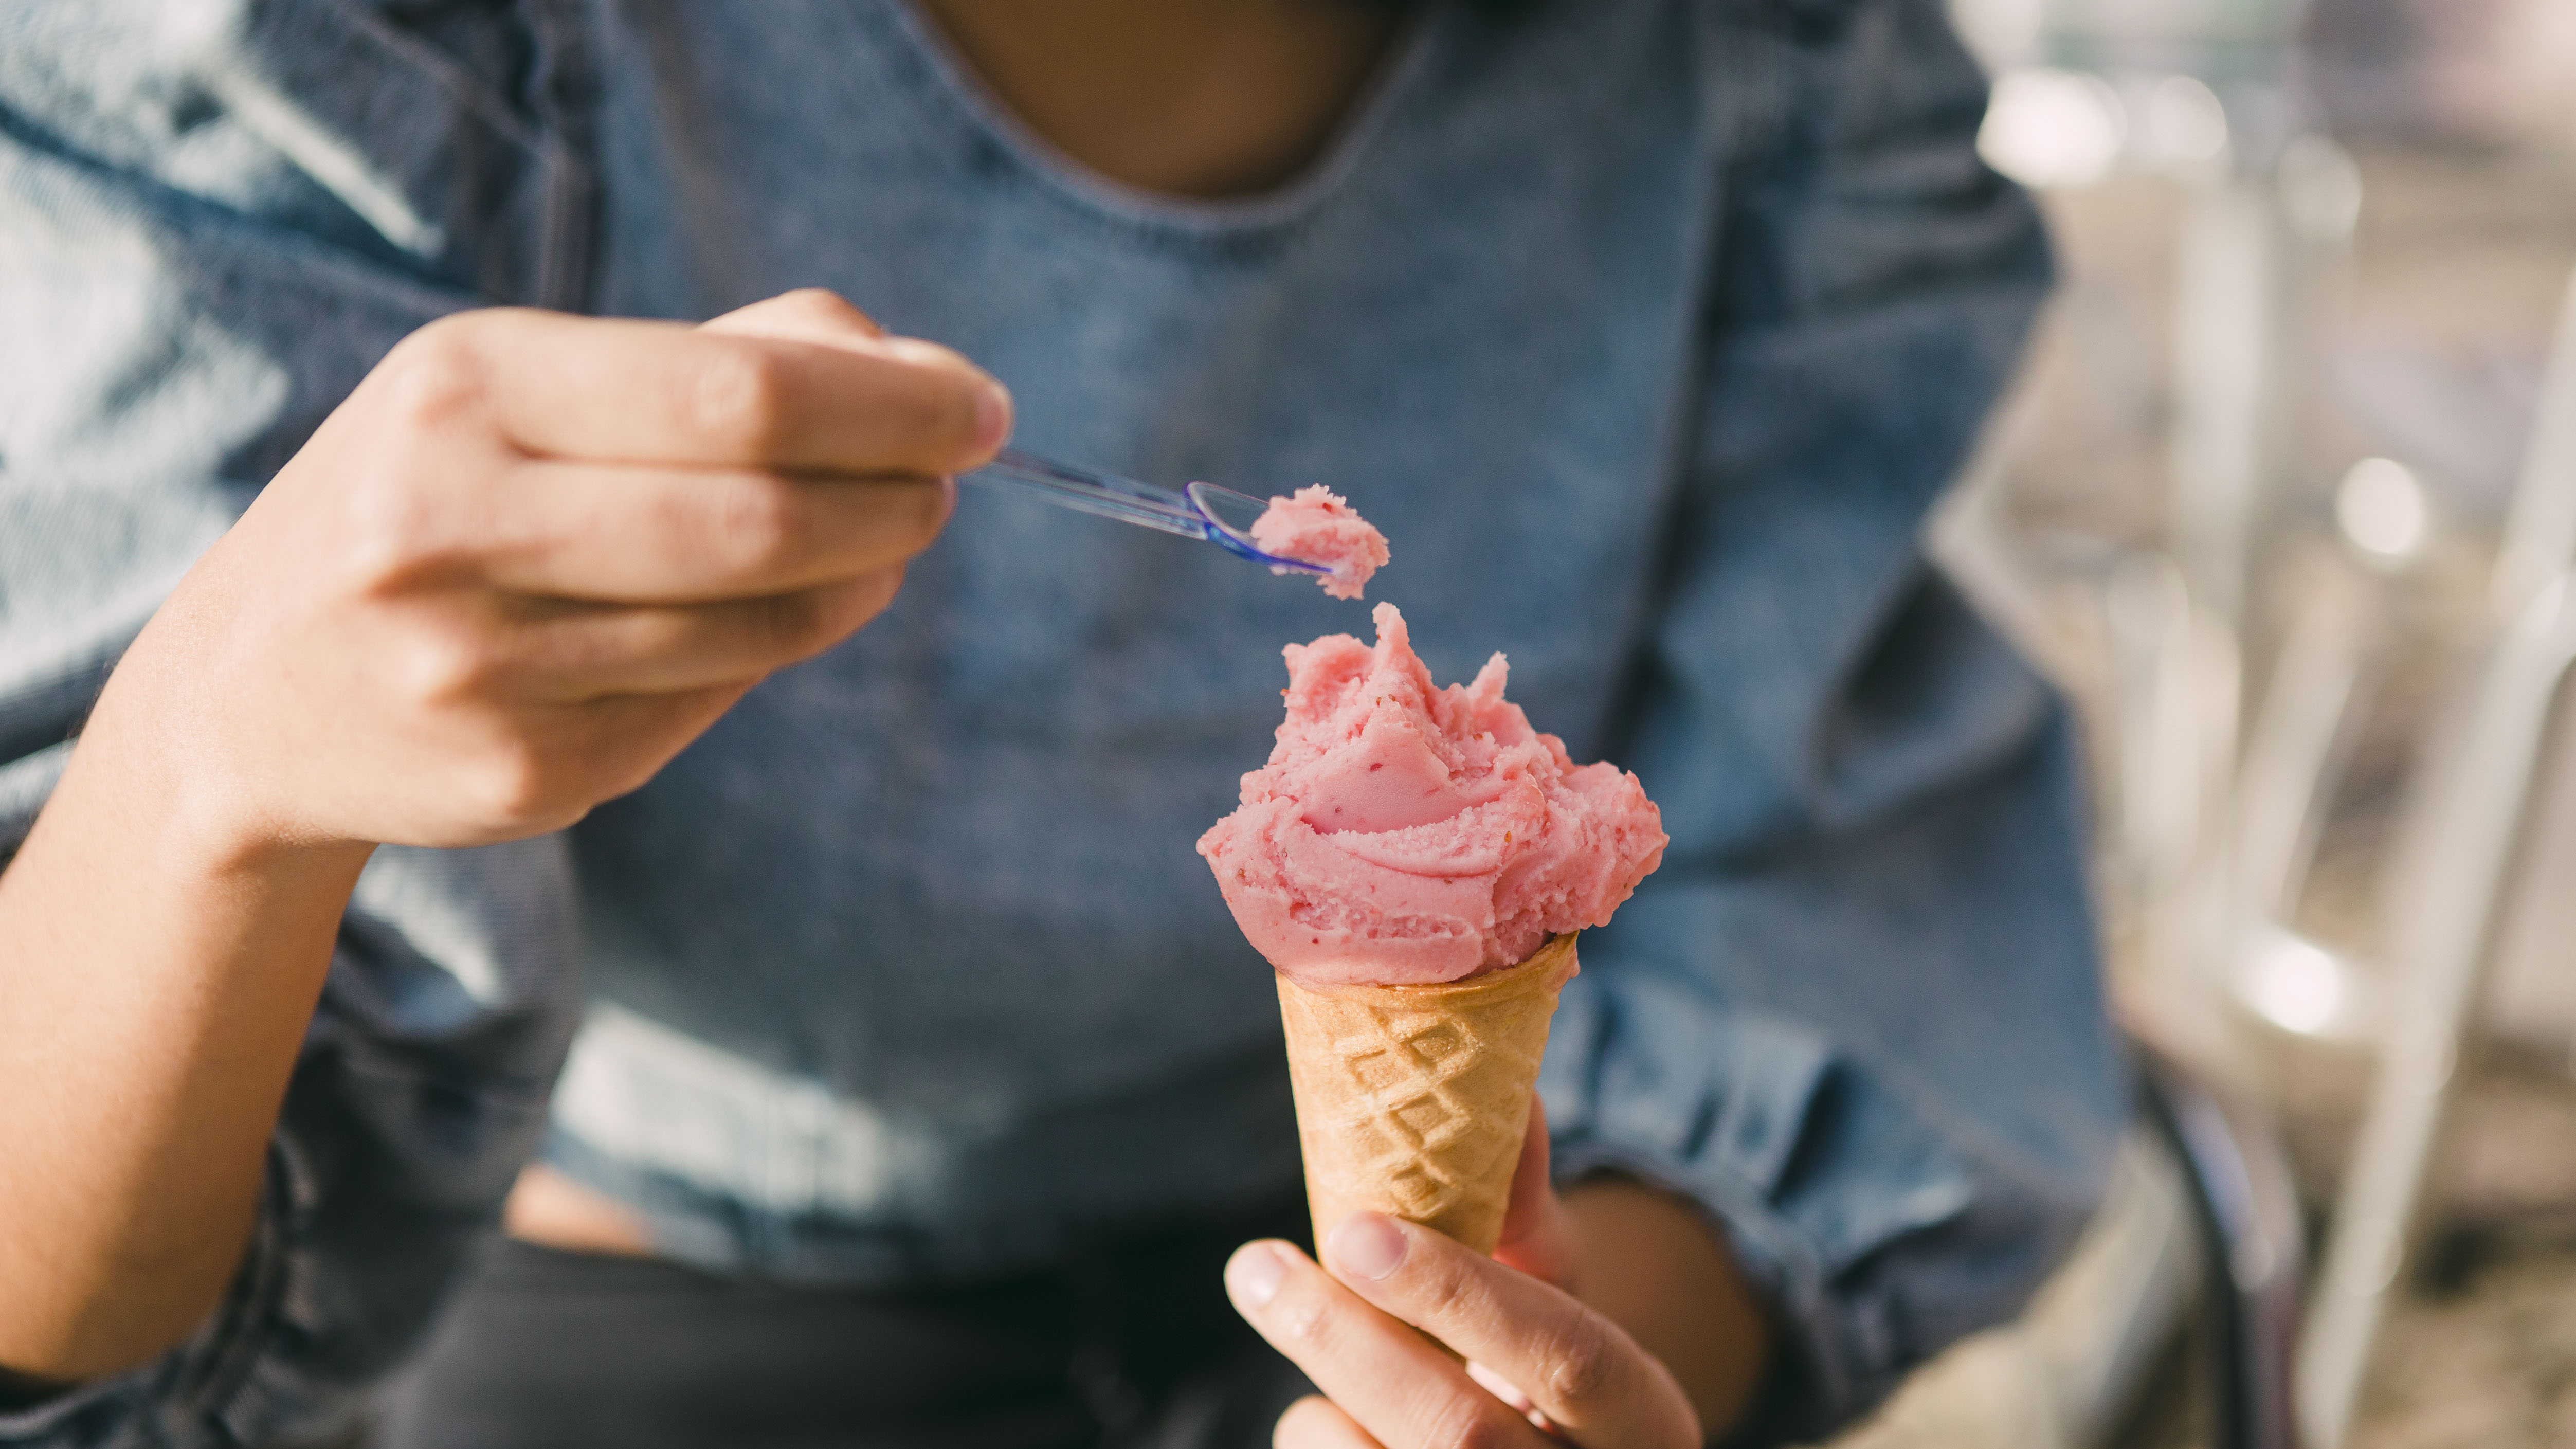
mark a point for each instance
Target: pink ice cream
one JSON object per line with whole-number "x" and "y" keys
{"x": 1315, "y": 526}
{"x": 1402, "y": 835}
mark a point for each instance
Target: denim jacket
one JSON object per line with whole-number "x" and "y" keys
{"x": 1647, "y": 329}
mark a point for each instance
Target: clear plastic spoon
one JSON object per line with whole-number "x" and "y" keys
{"x": 1204, "y": 511}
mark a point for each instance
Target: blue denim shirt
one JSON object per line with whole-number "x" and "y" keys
{"x": 1648, "y": 330}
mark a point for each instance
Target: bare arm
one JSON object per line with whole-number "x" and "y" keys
{"x": 157, "y": 966}
{"x": 528, "y": 561}
{"x": 1651, "y": 1264}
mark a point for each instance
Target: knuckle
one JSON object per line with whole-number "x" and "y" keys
{"x": 436, "y": 374}
{"x": 739, "y": 395}
{"x": 385, "y": 533}
{"x": 617, "y": 765}
{"x": 795, "y": 624}
{"x": 1303, "y": 1319}
{"x": 1582, "y": 1360}
{"x": 936, "y": 413}
{"x": 1466, "y": 1421}
{"x": 827, "y": 307}
{"x": 875, "y": 594}
{"x": 444, "y": 664}
{"x": 958, "y": 428}
{"x": 629, "y": 777}
{"x": 1443, "y": 1290}
{"x": 849, "y": 606}
{"x": 757, "y": 526}
{"x": 510, "y": 782}
{"x": 925, "y": 512}
{"x": 413, "y": 517}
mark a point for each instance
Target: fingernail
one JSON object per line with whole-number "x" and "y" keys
{"x": 1252, "y": 1276}
{"x": 992, "y": 415}
{"x": 1366, "y": 1245}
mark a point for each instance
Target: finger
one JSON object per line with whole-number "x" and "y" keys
{"x": 659, "y": 392}
{"x": 1578, "y": 1368}
{"x": 544, "y": 769}
{"x": 1316, "y": 1422}
{"x": 636, "y": 534}
{"x": 568, "y": 653}
{"x": 1536, "y": 1236}
{"x": 814, "y": 314}
{"x": 629, "y": 738}
{"x": 1510, "y": 1393}
{"x": 1395, "y": 1385}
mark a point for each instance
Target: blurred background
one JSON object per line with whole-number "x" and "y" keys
{"x": 2287, "y": 499}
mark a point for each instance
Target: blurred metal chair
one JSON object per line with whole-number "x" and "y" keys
{"x": 2454, "y": 872}
{"x": 2215, "y": 812}
{"x": 2197, "y": 1240}
{"x": 2211, "y": 815}
{"x": 2253, "y": 1242}
{"x": 2463, "y": 847}
{"x": 2205, "y": 94}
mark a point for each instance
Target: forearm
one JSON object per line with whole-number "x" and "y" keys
{"x": 159, "y": 963}
{"x": 1649, "y": 1263}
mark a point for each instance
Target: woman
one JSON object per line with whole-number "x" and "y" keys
{"x": 400, "y": 695}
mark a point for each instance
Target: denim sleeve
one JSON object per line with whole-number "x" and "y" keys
{"x": 1857, "y": 1013}
{"x": 208, "y": 233}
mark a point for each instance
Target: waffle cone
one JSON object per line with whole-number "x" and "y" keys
{"x": 1411, "y": 1100}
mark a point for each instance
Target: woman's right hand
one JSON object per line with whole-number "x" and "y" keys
{"x": 527, "y": 561}
{"x": 532, "y": 556}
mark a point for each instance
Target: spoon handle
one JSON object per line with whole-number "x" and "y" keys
{"x": 1215, "y": 515}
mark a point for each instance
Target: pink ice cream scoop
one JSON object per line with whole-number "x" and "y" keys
{"x": 1403, "y": 835}
{"x": 1315, "y": 526}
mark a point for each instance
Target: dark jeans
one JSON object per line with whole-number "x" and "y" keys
{"x": 1134, "y": 1347}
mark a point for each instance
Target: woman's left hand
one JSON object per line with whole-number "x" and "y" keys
{"x": 1539, "y": 1361}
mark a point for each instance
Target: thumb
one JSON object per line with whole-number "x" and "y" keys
{"x": 1538, "y": 1238}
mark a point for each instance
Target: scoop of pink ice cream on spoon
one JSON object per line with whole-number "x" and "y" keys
{"x": 1311, "y": 533}
{"x": 1315, "y": 525}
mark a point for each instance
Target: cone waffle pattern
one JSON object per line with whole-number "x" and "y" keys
{"x": 1411, "y": 1100}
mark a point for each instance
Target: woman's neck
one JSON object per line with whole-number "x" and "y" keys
{"x": 1197, "y": 98}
